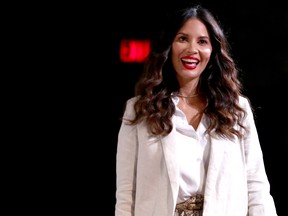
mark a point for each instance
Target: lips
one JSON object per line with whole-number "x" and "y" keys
{"x": 190, "y": 63}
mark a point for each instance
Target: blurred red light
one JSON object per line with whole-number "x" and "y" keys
{"x": 134, "y": 51}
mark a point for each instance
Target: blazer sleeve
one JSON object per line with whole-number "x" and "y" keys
{"x": 126, "y": 160}
{"x": 259, "y": 197}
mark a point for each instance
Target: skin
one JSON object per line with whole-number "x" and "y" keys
{"x": 192, "y": 42}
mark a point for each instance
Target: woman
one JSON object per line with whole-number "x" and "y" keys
{"x": 188, "y": 144}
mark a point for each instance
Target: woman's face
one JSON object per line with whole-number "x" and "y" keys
{"x": 191, "y": 50}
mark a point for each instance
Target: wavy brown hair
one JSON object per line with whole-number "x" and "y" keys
{"x": 219, "y": 81}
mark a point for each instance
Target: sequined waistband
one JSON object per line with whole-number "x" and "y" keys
{"x": 191, "y": 207}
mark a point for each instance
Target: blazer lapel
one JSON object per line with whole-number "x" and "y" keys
{"x": 170, "y": 152}
{"x": 215, "y": 175}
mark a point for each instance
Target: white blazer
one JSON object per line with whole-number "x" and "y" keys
{"x": 147, "y": 181}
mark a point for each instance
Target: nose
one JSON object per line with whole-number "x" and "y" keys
{"x": 192, "y": 47}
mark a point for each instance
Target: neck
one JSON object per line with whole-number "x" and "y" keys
{"x": 188, "y": 96}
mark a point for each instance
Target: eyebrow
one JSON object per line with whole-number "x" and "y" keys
{"x": 202, "y": 37}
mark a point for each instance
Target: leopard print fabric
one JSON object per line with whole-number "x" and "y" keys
{"x": 191, "y": 207}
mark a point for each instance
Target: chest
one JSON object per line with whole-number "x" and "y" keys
{"x": 192, "y": 111}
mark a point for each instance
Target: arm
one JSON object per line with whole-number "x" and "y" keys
{"x": 126, "y": 159}
{"x": 260, "y": 200}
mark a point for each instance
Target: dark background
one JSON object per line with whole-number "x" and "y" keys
{"x": 257, "y": 33}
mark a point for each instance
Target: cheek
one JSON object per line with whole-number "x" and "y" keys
{"x": 179, "y": 48}
{"x": 176, "y": 50}
{"x": 206, "y": 52}
{"x": 175, "y": 53}
{"x": 174, "y": 58}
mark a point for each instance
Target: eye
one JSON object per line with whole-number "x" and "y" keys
{"x": 202, "y": 41}
{"x": 182, "y": 38}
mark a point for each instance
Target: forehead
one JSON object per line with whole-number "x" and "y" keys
{"x": 193, "y": 25}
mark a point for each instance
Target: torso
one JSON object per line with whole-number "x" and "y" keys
{"x": 193, "y": 109}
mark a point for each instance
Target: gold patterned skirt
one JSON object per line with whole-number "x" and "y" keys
{"x": 191, "y": 207}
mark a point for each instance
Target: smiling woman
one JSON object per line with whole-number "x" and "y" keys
{"x": 192, "y": 39}
{"x": 188, "y": 144}
{"x": 191, "y": 51}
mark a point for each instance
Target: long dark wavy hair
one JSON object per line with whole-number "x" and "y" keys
{"x": 219, "y": 81}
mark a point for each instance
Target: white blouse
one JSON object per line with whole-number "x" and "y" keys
{"x": 193, "y": 146}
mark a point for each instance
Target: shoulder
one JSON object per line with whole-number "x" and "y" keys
{"x": 129, "y": 107}
{"x": 246, "y": 105}
{"x": 130, "y": 102}
{"x": 244, "y": 102}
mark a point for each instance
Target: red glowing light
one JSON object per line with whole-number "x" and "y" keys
{"x": 132, "y": 50}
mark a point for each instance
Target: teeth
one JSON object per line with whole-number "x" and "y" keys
{"x": 190, "y": 60}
